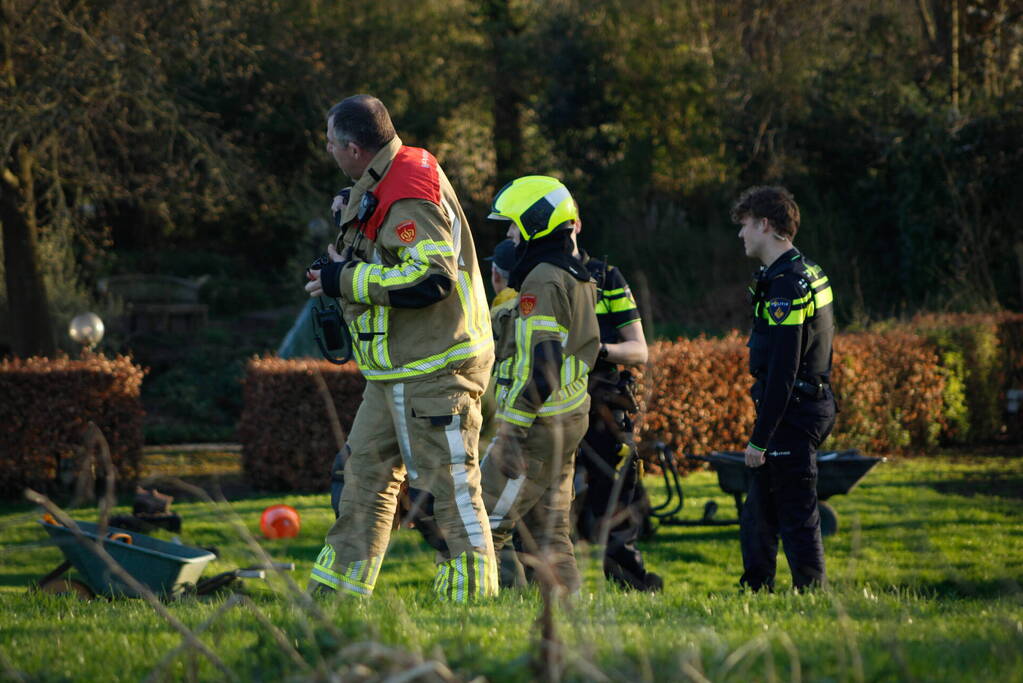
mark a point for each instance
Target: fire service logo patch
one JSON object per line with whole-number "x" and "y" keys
{"x": 527, "y": 302}
{"x": 406, "y": 231}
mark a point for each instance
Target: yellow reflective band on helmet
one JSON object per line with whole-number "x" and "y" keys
{"x": 466, "y": 578}
{"x": 537, "y": 204}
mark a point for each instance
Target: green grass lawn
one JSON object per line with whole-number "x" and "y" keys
{"x": 926, "y": 573}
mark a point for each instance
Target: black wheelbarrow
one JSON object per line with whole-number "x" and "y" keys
{"x": 169, "y": 570}
{"x": 838, "y": 472}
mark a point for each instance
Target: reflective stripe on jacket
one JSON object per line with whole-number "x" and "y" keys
{"x": 413, "y": 296}
{"x": 552, "y": 306}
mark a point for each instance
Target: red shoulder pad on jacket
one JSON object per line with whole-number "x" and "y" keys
{"x": 413, "y": 174}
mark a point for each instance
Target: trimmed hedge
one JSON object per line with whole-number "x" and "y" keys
{"x": 695, "y": 395}
{"x": 890, "y": 390}
{"x": 892, "y": 393}
{"x": 46, "y": 406}
{"x": 288, "y": 443}
{"x": 903, "y": 387}
{"x": 984, "y": 354}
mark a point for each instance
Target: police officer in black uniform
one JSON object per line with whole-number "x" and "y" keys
{"x": 790, "y": 357}
{"x": 609, "y": 490}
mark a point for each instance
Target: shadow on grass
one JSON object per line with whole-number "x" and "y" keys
{"x": 23, "y": 579}
{"x": 931, "y": 526}
{"x": 956, "y": 588}
{"x": 726, "y": 533}
{"x": 983, "y": 484}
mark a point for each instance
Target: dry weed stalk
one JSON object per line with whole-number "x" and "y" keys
{"x": 7, "y": 667}
{"x": 328, "y": 401}
{"x": 168, "y": 658}
{"x": 546, "y": 662}
{"x": 96, "y": 441}
{"x": 128, "y": 579}
{"x": 371, "y": 661}
{"x": 851, "y": 648}
{"x": 694, "y": 674}
{"x": 303, "y": 599}
{"x": 744, "y": 655}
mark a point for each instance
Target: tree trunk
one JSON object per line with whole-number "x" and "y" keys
{"x": 1019, "y": 261}
{"x": 953, "y": 71}
{"x": 32, "y": 328}
{"x": 506, "y": 89}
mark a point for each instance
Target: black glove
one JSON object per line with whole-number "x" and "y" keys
{"x": 330, "y": 278}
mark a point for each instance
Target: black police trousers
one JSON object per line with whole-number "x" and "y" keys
{"x": 599, "y": 455}
{"x": 782, "y": 501}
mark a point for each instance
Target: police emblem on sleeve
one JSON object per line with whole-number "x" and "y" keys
{"x": 778, "y": 309}
{"x": 406, "y": 231}
{"x": 527, "y": 302}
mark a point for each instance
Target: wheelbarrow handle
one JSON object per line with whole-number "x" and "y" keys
{"x": 250, "y": 573}
{"x": 279, "y": 566}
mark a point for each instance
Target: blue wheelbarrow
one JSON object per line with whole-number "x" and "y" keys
{"x": 838, "y": 472}
{"x": 169, "y": 570}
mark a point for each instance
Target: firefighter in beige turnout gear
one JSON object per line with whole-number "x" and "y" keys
{"x": 405, "y": 271}
{"x": 546, "y": 347}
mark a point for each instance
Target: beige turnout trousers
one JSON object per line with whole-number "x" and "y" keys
{"x": 427, "y": 430}
{"x": 541, "y": 498}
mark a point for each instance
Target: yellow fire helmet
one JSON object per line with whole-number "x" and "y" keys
{"x": 537, "y": 204}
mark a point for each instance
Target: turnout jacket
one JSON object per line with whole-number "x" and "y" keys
{"x": 552, "y": 306}
{"x": 410, "y": 288}
{"x": 790, "y": 343}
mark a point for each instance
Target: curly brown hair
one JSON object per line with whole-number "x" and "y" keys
{"x": 774, "y": 203}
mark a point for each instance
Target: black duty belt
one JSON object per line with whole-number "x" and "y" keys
{"x": 815, "y": 390}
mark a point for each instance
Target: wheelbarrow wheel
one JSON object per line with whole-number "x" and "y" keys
{"x": 64, "y": 586}
{"x": 829, "y": 519}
